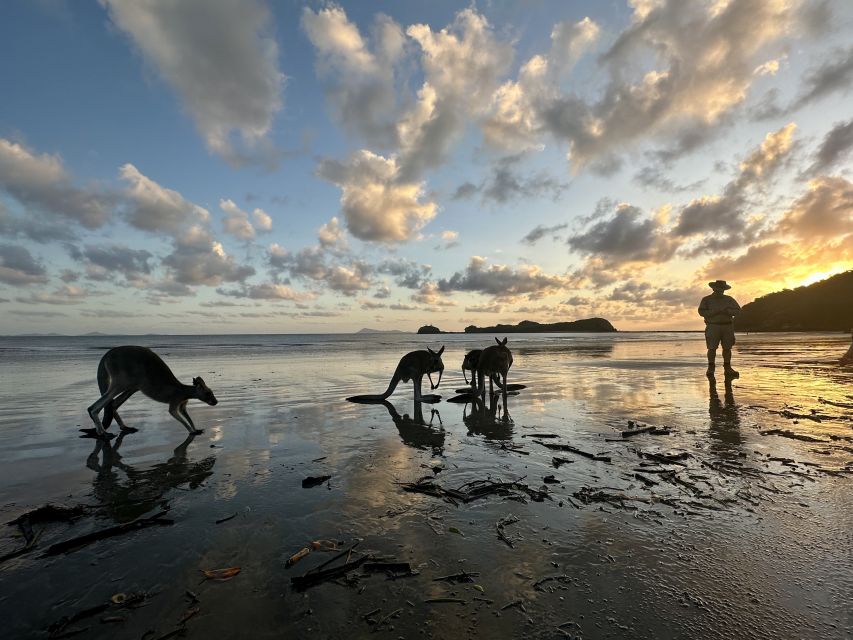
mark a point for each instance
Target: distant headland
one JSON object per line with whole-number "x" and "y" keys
{"x": 589, "y": 325}
{"x": 822, "y": 306}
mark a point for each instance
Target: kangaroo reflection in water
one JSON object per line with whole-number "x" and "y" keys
{"x": 415, "y": 431}
{"x": 493, "y": 422}
{"x": 724, "y": 428}
{"x": 127, "y": 493}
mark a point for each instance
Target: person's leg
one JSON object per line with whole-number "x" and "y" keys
{"x": 712, "y": 340}
{"x": 728, "y": 341}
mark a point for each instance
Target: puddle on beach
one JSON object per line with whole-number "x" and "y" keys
{"x": 734, "y": 518}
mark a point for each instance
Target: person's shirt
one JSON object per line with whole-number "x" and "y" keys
{"x": 718, "y": 309}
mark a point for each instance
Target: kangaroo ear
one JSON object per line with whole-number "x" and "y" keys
{"x": 430, "y": 350}
{"x": 440, "y": 351}
{"x": 198, "y": 382}
{"x": 497, "y": 340}
{"x": 504, "y": 342}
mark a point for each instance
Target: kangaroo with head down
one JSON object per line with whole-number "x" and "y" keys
{"x": 413, "y": 366}
{"x": 494, "y": 364}
{"x": 125, "y": 370}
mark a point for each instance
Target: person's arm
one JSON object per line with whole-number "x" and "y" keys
{"x": 733, "y": 308}
{"x": 704, "y": 309}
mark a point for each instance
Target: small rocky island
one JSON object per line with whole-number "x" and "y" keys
{"x": 428, "y": 328}
{"x": 589, "y": 325}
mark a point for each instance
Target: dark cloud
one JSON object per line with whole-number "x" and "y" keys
{"x": 19, "y": 267}
{"x": 833, "y": 75}
{"x": 628, "y": 236}
{"x": 505, "y": 183}
{"x": 32, "y": 228}
{"x": 266, "y": 291}
{"x": 464, "y": 191}
{"x": 540, "y": 231}
{"x": 407, "y": 273}
{"x": 836, "y": 145}
{"x": 655, "y": 177}
{"x": 197, "y": 259}
{"x": 106, "y": 262}
{"x": 503, "y": 281}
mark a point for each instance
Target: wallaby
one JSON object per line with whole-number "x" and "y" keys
{"x": 494, "y": 364}
{"x": 125, "y": 370}
{"x": 413, "y": 366}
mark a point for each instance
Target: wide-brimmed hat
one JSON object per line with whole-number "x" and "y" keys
{"x": 719, "y": 284}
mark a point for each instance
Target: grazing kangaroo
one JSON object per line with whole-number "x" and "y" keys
{"x": 125, "y": 370}
{"x": 413, "y": 366}
{"x": 494, "y": 364}
{"x": 469, "y": 363}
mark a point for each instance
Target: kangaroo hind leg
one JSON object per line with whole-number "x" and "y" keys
{"x": 112, "y": 409}
{"x": 99, "y": 404}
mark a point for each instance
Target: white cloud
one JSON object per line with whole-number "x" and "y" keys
{"x": 220, "y": 58}
{"x": 154, "y": 208}
{"x": 41, "y": 182}
{"x": 236, "y": 221}
{"x": 375, "y": 204}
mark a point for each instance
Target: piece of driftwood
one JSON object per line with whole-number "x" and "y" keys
{"x": 316, "y": 577}
{"x": 73, "y": 544}
{"x": 475, "y": 490}
{"x": 567, "y": 447}
{"x": 499, "y": 527}
{"x": 793, "y": 435}
{"x": 458, "y": 578}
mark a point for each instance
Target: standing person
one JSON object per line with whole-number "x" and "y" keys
{"x": 718, "y": 309}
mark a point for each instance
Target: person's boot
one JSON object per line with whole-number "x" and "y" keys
{"x": 731, "y": 374}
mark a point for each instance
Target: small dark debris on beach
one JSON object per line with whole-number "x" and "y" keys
{"x": 314, "y": 481}
{"x": 580, "y": 452}
{"x": 476, "y": 489}
{"x": 556, "y": 461}
{"x": 499, "y": 527}
{"x": 73, "y": 544}
{"x": 458, "y": 578}
{"x": 60, "y": 628}
{"x": 227, "y": 518}
{"x": 785, "y": 433}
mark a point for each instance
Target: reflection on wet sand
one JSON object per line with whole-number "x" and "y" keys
{"x": 140, "y": 491}
{"x": 415, "y": 431}
{"x": 724, "y": 428}
{"x": 493, "y": 422}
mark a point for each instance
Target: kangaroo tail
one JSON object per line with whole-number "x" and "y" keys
{"x": 395, "y": 380}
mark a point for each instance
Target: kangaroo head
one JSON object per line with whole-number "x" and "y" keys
{"x": 501, "y": 343}
{"x": 435, "y": 364}
{"x": 203, "y": 392}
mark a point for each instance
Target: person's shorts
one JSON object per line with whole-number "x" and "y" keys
{"x": 716, "y": 334}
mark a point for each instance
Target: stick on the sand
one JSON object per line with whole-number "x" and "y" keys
{"x": 81, "y": 541}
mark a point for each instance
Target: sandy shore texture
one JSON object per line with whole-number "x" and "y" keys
{"x": 561, "y": 515}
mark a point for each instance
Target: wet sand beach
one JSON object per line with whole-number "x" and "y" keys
{"x": 733, "y": 518}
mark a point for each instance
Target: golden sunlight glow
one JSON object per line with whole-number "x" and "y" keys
{"x": 817, "y": 276}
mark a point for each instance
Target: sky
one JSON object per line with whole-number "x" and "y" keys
{"x": 254, "y": 166}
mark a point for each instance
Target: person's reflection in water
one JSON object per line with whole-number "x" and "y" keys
{"x": 492, "y": 422}
{"x": 415, "y": 431}
{"x": 724, "y": 429}
{"x": 127, "y": 493}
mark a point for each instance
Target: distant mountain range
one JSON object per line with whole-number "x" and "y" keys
{"x": 589, "y": 325}
{"x": 823, "y": 306}
{"x": 368, "y": 330}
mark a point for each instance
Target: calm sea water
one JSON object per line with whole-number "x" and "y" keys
{"x": 767, "y": 557}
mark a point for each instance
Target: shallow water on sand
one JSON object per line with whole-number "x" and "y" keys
{"x": 748, "y": 535}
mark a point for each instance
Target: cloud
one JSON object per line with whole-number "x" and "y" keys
{"x": 376, "y": 205}
{"x": 151, "y": 207}
{"x": 349, "y": 280}
{"x": 198, "y": 259}
{"x": 833, "y": 75}
{"x": 19, "y": 267}
{"x": 722, "y": 217}
{"x": 382, "y": 293}
{"x": 824, "y": 211}
{"x": 369, "y": 305}
{"x": 401, "y": 306}
{"x": 430, "y": 295}
{"x": 654, "y": 176}
{"x": 627, "y": 236}
{"x": 32, "y": 228}
{"x": 220, "y": 58}
{"x": 540, "y": 231}
{"x": 503, "y": 281}
{"x": 505, "y": 184}
{"x": 763, "y": 262}
{"x": 236, "y": 221}
{"x": 407, "y": 273}
{"x": 310, "y": 263}
{"x": 704, "y": 56}
{"x": 484, "y": 308}
{"x": 67, "y": 294}
{"x": 40, "y": 182}
{"x": 331, "y": 234}
{"x": 104, "y": 262}
{"x": 835, "y": 147}
{"x": 267, "y": 291}
{"x": 360, "y": 81}
{"x": 449, "y": 239}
